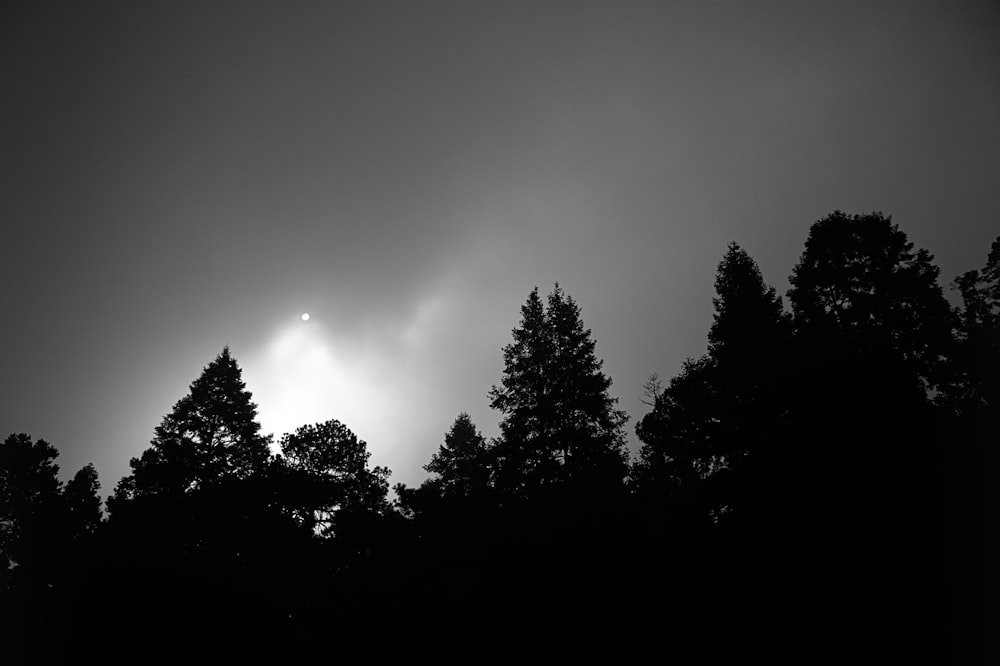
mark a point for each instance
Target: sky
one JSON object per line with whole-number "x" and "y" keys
{"x": 176, "y": 177}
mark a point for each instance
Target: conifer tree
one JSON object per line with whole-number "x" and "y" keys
{"x": 327, "y": 467}
{"x": 860, "y": 292}
{"x": 462, "y": 462}
{"x": 748, "y": 345}
{"x": 559, "y": 422}
{"x": 211, "y": 436}
{"x": 40, "y": 517}
{"x": 30, "y": 501}
{"x": 680, "y": 433}
{"x": 874, "y": 341}
{"x": 82, "y": 501}
{"x": 978, "y": 362}
{"x": 723, "y": 405}
{"x": 749, "y": 325}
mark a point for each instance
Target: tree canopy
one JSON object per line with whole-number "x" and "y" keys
{"x": 462, "y": 463}
{"x": 212, "y": 435}
{"x": 43, "y": 522}
{"x": 850, "y": 443}
{"x": 859, "y": 288}
{"x": 559, "y": 421}
{"x": 722, "y": 406}
{"x": 328, "y": 477}
{"x": 979, "y": 332}
{"x": 29, "y": 497}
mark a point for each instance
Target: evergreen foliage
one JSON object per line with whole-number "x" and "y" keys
{"x": 559, "y": 422}
{"x": 462, "y": 463}
{"x": 859, "y": 290}
{"x": 83, "y": 502}
{"x": 978, "y": 362}
{"x": 799, "y": 491}
{"x": 211, "y": 436}
{"x": 678, "y": 435}
{"x": 328, "y": 479}
{"x": 722, "y": 407}
{"x": 30, "y": 493}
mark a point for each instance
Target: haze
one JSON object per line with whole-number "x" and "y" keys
{"x": 179, "y": 177}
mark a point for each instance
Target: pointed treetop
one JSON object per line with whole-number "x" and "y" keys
{"x": 749, "y": 314}
{"x": 212, "y": 434}
{"x": 461, "y": 463}
{"x": 558, "y": 419}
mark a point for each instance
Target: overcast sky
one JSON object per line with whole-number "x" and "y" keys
{"x": 175, "y": 177}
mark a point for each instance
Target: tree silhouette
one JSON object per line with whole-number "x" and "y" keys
{"x": 30, "y": 502}
{"x": 860, "y": 290}
{"x": 211, "y": 436}
{"x": 749, "y": 325}
{"x": 722, "y": 406}
{"x": 863, "y": 459}
{"x": 679, "y": 433}
{"x": 748, "y": 343}
{"x": 867, "y": 464}
{"x": 46, "y": 543}
{"x": 462, "y": 485}
{"x": 462, "y": 463}
{"x": 559, "y": 422}
{"x": 974, "y": 399}
{"x": 979, "y": 346}
{"x": 82, "y": 501}
{"x": 328, "y": 477}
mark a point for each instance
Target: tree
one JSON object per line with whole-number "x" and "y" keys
{"x": 30, "y": 501}
{"x": 462, "y": 462}
{"x": 722, "y": 406}
{"x": 559, "y": 421}
{"x": 36, "y": 509}
{"x": 211, "y": 436}
{"x": 749, "y": 325}
{"x": 679, "y": 433}
{"x": 979, "y": 332}
{"x": 975, "y": 399}
{"x": 463, "y": 477}
{"x": 327, "y": 467}
{"x": 748, "y": 343}
{"x": 83, "y": 504}
{"x": 859, "y": 290}
{"x": 42, "y": 535}
{"x": 874, "y": 341}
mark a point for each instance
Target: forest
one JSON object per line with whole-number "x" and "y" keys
{"x": 818, "y": 487}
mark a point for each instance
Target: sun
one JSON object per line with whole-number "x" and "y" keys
{"x": 305, "y": 316}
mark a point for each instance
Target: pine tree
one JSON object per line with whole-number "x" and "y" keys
{"x": 873, "y": 342}
{"x": 525, "y": 453}
{"x": 83, "y": 504}
{"x": 680, "y": 433}
{"x": 30, "y": 501}
{"x": 749, "y": 325}
{"x": 211, "y": 436}
{"x": 462, "y": 462}
{"x": 560, "y": 423}
{"x": 326, "y": 466}
{"x": 748, "y": 344}
{"x": 723, "y": 406}
{"x": 860, "y": 292}
{"x": 977, "y": 386}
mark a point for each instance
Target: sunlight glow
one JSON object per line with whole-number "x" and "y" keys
{"x": 380, "y": 378}
{"x": 301, "y": 378}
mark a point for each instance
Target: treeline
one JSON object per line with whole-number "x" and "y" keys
{"x": 818, "y": 487}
